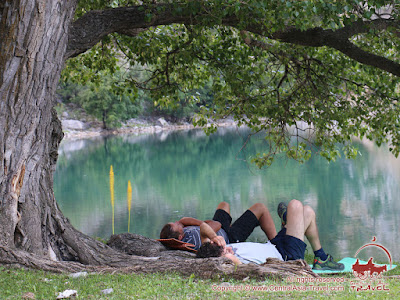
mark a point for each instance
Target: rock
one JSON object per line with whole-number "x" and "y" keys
{"x": 162, "y": 122}
{"x": 225, "y": 284}
{"x": 137, "y": 122}
{"x": 79, "y": 274}
{"x": 67, "y": 294}
{"x": 28, "y": 295}
{"x": 107, "y": 291}
{"x": 73, "y": 125}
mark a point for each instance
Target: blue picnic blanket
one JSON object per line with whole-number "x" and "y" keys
{"x": 348, "y": 263}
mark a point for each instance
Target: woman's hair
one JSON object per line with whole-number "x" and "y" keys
{"x": 208, "y": 249}
{"x": 168, "y": 233}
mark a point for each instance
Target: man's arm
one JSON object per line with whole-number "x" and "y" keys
{"x": 208, "y": 234}
{"x": 215, "y": 225}
{"x": 233, "y": 258}
{"x": 188, "y": 221}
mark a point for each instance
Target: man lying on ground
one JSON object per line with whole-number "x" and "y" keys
{"x": 188, "y": 229}
{"x": 297, "y": 221}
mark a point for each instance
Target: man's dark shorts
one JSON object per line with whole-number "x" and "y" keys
{"x": 240, "y": 230}
{"x": 289, "y": 247}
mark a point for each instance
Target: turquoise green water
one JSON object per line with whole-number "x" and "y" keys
{"x": 188, "y": 174}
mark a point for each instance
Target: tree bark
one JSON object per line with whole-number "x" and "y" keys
{"x": 33, "y": 41}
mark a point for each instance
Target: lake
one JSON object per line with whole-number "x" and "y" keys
{"x": 186, "y": 173}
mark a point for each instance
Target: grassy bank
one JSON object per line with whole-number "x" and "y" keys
{"x": 27, "y": 284}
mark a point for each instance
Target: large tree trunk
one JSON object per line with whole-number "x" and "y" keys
{"x": 32, "y": 45}
{"x": 33, "y": 41}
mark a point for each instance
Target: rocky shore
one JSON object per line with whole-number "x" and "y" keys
{"x": 77, "y": 129}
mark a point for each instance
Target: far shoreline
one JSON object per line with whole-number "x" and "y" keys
{"x": 138, "y": 127}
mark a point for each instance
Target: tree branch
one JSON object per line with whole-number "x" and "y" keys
{"x": 339, "y": 40}
{"x": 359, "y": 27}
{"x": 318, "y": 37}
{"x": 88, "y": 30}
{"x": 364, "y": 57}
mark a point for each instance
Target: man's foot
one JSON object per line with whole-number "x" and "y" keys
{"x": 282, "y": 208}
{"x": 328, "y": 264}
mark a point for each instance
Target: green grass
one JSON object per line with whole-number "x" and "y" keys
{"x": 15, "y": 283}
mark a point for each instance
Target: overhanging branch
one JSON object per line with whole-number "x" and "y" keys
{"x": 364, "y": 57}
{"x": 339, "y": 40}
{"x": 88, "y": 30}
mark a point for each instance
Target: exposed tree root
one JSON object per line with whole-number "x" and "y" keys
{"x": 166, "y": 260}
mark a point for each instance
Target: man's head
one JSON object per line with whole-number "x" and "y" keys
{"x": 172, "y": 230}
{"x": 209, "y": 249}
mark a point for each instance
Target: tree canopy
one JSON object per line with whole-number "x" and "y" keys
{"x": 309, "y": 73}
{"x": 313, "y": 74}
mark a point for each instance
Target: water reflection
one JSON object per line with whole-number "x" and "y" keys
{"x": 188, "y": 173}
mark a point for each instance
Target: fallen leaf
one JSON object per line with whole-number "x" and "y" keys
{"x": 28, "y": 295}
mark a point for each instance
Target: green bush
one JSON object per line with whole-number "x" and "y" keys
{"x": 103, "y": 100}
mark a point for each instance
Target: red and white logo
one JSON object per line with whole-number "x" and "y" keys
{"x": 370, "y": 270}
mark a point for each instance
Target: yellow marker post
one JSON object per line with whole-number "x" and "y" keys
{"x": 129, "y": 192}
{"x": 112, "y": 195}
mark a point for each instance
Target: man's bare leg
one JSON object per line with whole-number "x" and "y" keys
{"x": 311, "y": 231}
{"x": 301, "y": 221}
{"x": 265, "y": 219}
{"x": 224, "y": 206}
{"x": 295, "y": 223}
